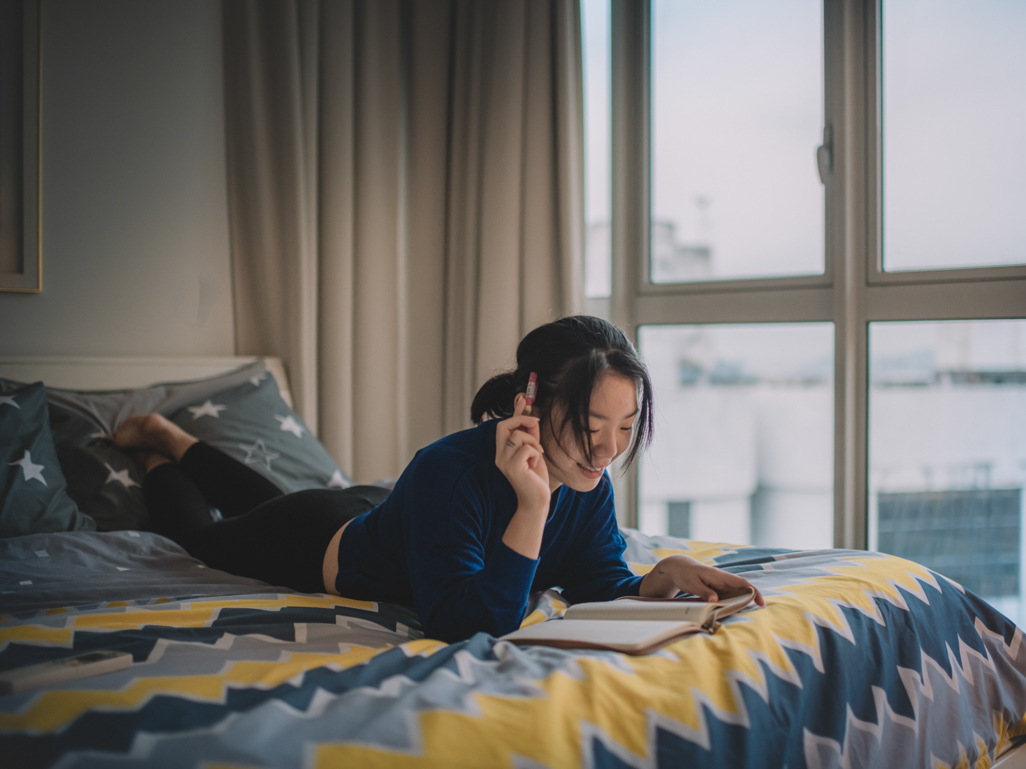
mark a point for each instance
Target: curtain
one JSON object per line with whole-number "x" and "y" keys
{"x": 406, "y": 201}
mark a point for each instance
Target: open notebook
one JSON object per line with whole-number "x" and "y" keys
{"x": 632, "y": 625}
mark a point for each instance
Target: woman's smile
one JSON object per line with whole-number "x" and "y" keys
{"x": 591, "y": 473}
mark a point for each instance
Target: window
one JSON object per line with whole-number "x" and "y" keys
{"x": 743, "y": 448}
{"x": 947, "y": 450}
{"x": 782, "y": 181}
{"x": 737, "y": 112}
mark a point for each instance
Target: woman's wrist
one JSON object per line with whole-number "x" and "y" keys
{"x": 655, "y": 585}
{"x": 524, "y": 532}
{"x": 532, "y": 508}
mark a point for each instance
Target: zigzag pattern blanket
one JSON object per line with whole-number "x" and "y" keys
{"x": 860, "y": 659}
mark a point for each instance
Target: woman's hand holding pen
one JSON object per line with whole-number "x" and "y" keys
{"x": 520, "y": 457}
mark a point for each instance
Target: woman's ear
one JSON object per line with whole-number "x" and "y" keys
{"x": 519, "y": 403}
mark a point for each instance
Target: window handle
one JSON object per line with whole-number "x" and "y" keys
{"x": 825, "y": 155}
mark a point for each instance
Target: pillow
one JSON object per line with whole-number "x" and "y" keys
{"x": 33, "y": 497}
{"x": 252, "y": 423}
{"x": 104, "y": 481}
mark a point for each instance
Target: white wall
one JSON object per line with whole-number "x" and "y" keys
{"x": 135, "y": 222}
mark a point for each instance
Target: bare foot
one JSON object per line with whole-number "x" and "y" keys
{"x": 152, "y": 432}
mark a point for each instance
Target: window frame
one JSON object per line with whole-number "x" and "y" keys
{"x": 852, "y": 292}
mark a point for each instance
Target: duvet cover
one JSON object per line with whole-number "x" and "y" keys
{"x": 859, "y": 660}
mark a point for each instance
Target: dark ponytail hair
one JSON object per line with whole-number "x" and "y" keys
{"x": 570, "y": 355}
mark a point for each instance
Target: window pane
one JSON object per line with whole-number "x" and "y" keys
{"x": 954, "y": 115}
{"x": 743, "y": 449}
{"x": 595, "y": 45}
{"x": 737, "y": 114}
{"x": 947, "y": 451}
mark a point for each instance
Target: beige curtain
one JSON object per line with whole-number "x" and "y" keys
{"x": 405, "y": 193}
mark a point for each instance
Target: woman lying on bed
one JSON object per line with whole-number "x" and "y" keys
{"x": 478, "y": 519}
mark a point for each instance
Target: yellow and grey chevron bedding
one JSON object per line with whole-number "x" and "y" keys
{"x": 859, "y": 660}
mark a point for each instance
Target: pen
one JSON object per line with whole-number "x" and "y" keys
{"x": 532, "y": 388}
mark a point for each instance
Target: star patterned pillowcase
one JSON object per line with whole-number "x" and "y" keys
{"x": 104, "y": 481}
{"x": 33, "y": 497}
{"x": 252, "y": 423}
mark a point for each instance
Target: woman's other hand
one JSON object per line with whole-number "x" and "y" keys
{"x": 520, "y": 457}
{"x": 677, "y": 573}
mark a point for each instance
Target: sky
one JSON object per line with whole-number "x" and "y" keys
{"x": 954, "y": 118}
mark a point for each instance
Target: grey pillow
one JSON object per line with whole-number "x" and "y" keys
{"x": 33, "y": 497}
{"x": 104, "y": 481}
{"x": 251, "y": 423}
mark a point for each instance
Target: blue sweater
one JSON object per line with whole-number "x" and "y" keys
{"x": 436, "y": 544}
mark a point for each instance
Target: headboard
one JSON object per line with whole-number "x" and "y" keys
{"x": 80, "y": 373}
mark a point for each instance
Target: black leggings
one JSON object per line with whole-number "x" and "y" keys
{"x": 265, "y": 534}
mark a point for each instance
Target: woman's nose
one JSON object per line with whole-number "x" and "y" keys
{"x": 605, "y": 445}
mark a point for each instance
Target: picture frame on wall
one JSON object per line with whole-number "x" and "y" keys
{"x": 21, "y": 257}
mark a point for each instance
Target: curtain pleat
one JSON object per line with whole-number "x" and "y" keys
{"x": 272, "y": 156}
{"x": 406, "y": 201}
{"x": 336, "y": 211}
{"x": 377, "y": 287}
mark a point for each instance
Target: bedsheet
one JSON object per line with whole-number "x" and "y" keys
{"x": 860, "y": 659}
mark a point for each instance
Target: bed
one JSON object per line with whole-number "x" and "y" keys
{"x": 859, "y": 660}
